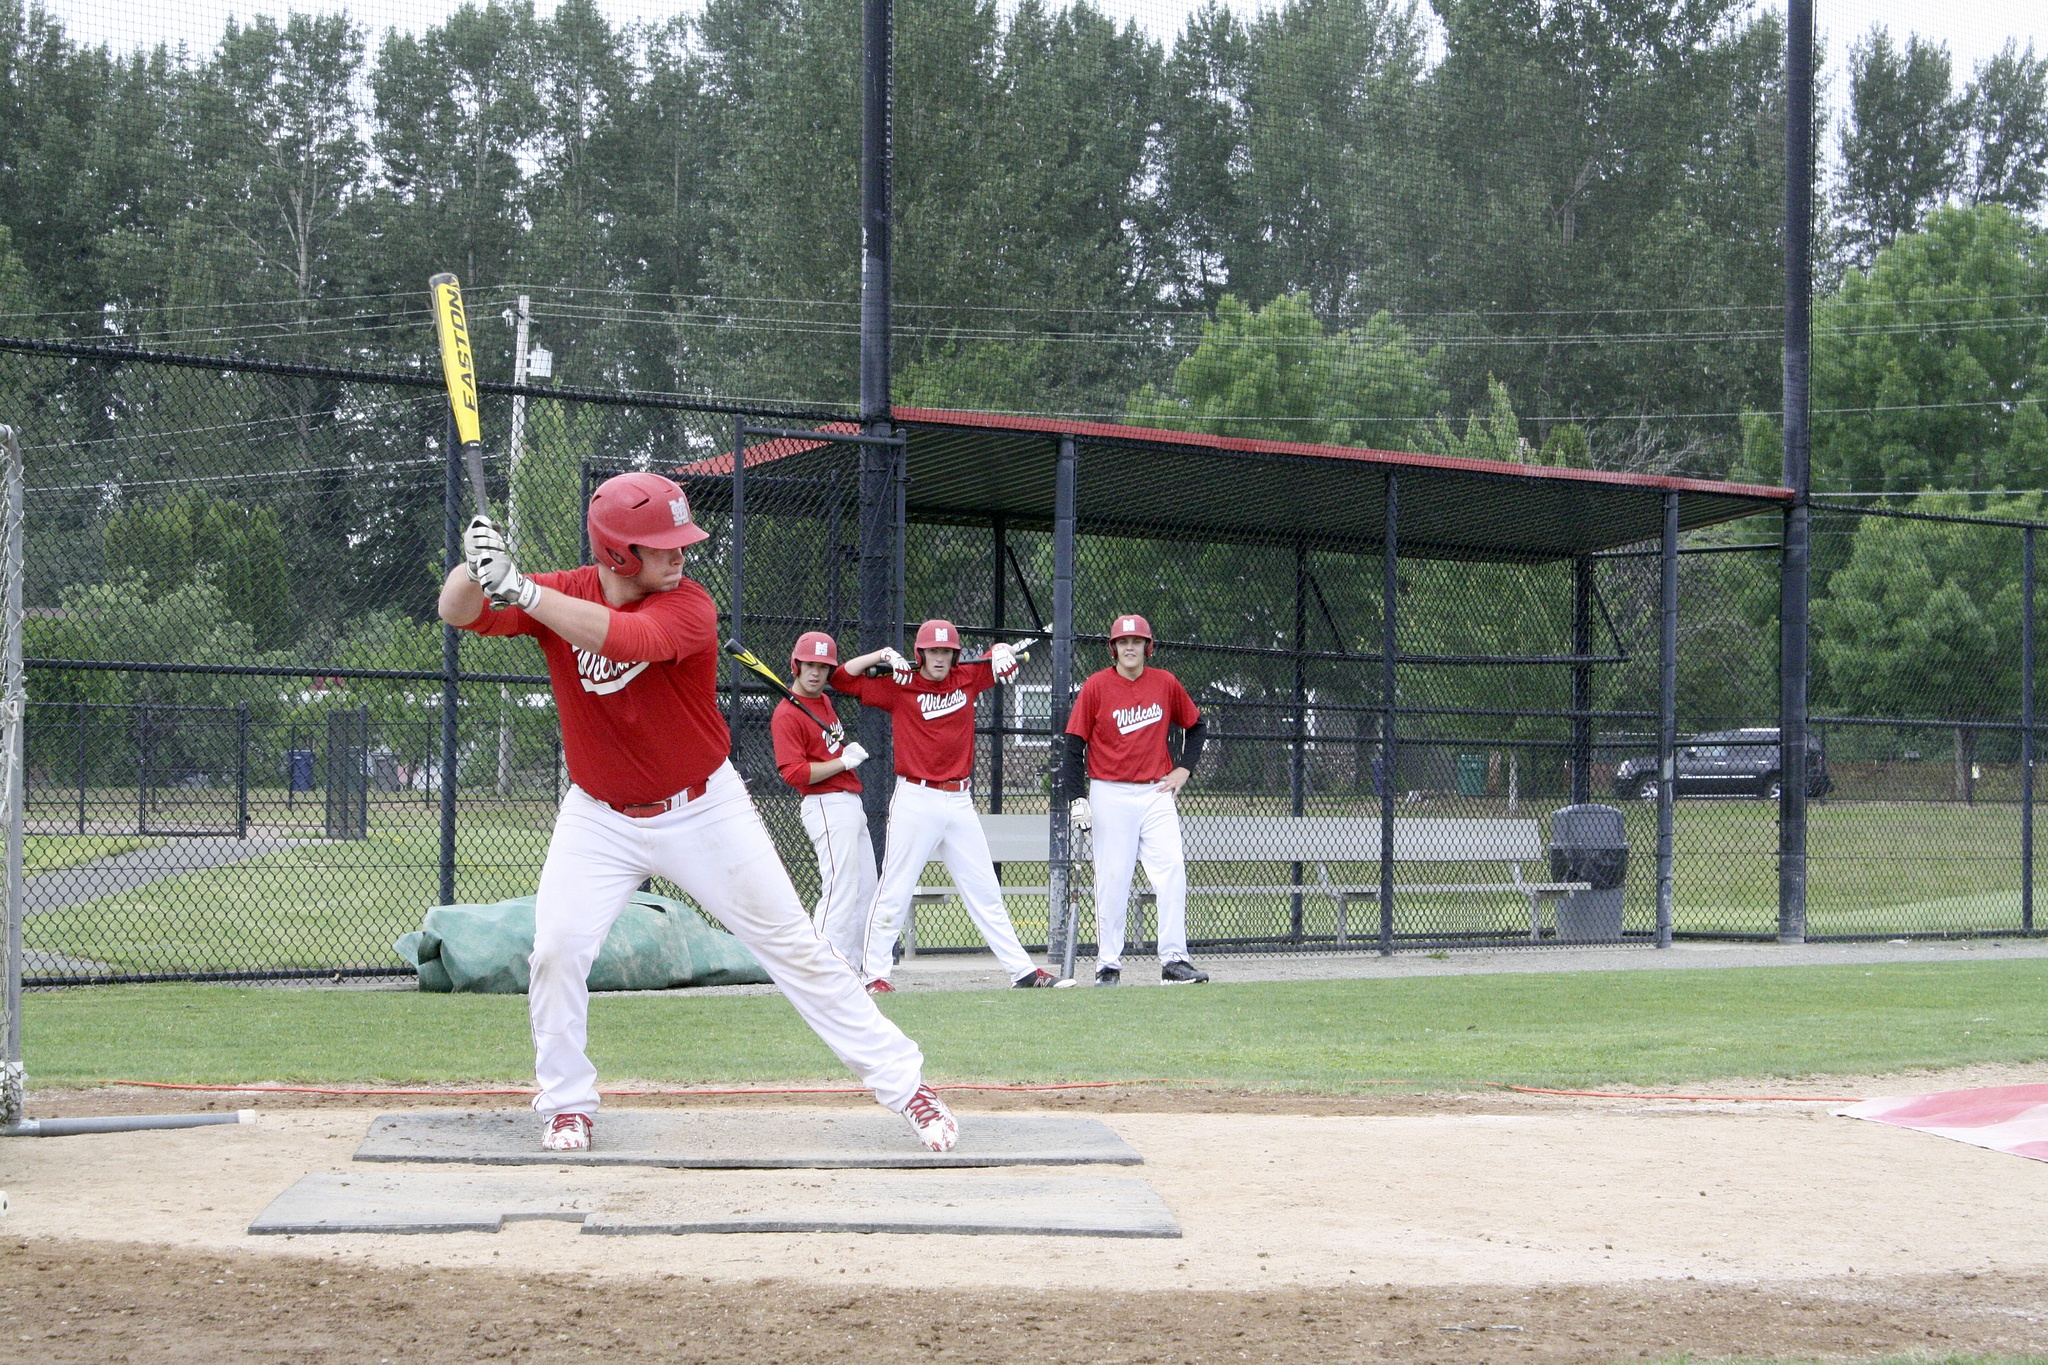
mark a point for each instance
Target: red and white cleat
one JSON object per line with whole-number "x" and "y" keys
{"x": 567, "y": 1133}
{"x": 880, "y": 986}
{"x": 931, "y": 1120}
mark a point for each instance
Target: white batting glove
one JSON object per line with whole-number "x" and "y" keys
{"x": 502, "y": 582}
{"x": 853, "y": 756}
{"x": 899, "y": 667}
{"x": 1081, "y": 815}
{"x": 479, "y": 539}
{"x": 1003, "y": 659}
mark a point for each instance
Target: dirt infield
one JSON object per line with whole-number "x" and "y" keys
{"x": 1379, "y": 1226}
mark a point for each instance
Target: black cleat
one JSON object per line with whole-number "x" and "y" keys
{"x": 1108, "y": 976}
{"x": 1181, "y": 974}
{"x": 1036, "y": 977}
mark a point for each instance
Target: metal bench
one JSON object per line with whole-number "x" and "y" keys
{"x": 1309, "y": 840}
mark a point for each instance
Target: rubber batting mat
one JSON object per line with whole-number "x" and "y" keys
{"x": 2005, "y": 1118}
{"x": 641, "y": 1203}
{"x": 742, "y": 1139}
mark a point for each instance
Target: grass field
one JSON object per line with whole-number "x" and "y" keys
{"x": 53, "y": 852}
{"x": 1558, "y": 1029}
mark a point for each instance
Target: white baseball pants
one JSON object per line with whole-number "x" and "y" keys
{"x": 838, "y": 826}
{"x": 717, "y": 850}
{"x": 1137, "y": 822}
{"x": 925, "y": 824}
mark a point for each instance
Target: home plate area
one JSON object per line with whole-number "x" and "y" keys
{"x": 738, "y": 1171}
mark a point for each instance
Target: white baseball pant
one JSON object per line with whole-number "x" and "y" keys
{"x": 718, "y": 852}
{"x": 924, "y": 824}
{"x": 838, "y": 826}
{"x": 1137, "y": 822}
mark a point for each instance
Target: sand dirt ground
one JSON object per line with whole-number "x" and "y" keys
{"x": 1340, "y": 1228}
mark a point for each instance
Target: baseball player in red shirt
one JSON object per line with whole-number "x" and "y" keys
{"x": 931, "y": 812}
{"x": 1120, "y": 721}
{"x": 632, "y": 653}
{"x": 813, "y": 756}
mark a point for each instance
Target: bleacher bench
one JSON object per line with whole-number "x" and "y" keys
{"x": 1316, "y": 841}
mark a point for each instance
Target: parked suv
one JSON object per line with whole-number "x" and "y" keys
{"x": 1725, "y": 763}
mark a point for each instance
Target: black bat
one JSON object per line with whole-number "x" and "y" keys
{"x": 752, "y": 662}
{"x": 1020, "y": 649}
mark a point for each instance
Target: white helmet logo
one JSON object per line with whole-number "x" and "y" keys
{"x": 940, "y": 635}
{"x": 680, "y": 510}
{"x": 1129, "y": 624}
{"x": 818, "y": 649}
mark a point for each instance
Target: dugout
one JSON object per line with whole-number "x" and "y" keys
{"x": 1425, "y": 655}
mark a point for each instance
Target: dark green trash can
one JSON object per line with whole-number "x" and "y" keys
{"x": 1471, "y": 774}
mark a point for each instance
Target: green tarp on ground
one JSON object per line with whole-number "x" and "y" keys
{"x": 656, "y": 944}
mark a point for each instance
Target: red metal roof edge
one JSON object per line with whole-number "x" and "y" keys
{"x": 765, "y": 452}
{"x": 1052, "y": 426}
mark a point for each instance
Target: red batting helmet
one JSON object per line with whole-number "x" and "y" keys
{"x": 1124, "y": 627}
{"x": 938, "y": 634}
{"x": 639, "y": 509}
{"x": 814, "y": 647}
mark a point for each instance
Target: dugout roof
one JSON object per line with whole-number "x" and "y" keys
{"x": 969, "y": 468}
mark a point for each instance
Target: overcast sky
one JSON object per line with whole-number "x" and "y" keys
{"x": 1973, "y": 29}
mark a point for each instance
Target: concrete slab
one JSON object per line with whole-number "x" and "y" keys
{"x": 174, "y": 857}
{"x": 921, "y": 1202}
{"x": 422, "y": 1201}
{"x": 744, "y": 1139}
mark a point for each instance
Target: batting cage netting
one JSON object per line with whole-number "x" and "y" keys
{"x": 1506, "y": 284}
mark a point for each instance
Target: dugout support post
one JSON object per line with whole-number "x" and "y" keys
{"x": 1297, "y": 756}
{"x": 1794, "y": 581}
{"x": 999, "y": 546}
{"x": 1063, "y": 927}
{"x": 451, "y": 660}
{"x": 1390, "y": 587}
{"x": 1582, "y": 680}
{"x": 734, "y": 671}
{"x": 1667, "y": 710}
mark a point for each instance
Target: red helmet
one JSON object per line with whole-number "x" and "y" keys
{"x": 639, "y": 509}
{"x": 938, "y": 634}
{"x": 1124, "y": 627}
{"x": 814, "y": 647}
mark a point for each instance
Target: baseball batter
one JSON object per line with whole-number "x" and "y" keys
{"x": 931, "y": 812}
{"x": 1120, "y": 722}
{"x": 632, "y": 652}
{"x": 812, "y": 755}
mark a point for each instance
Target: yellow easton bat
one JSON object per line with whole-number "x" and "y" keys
{"x": 752, "y": 662}
{"x": 458, "y": 367}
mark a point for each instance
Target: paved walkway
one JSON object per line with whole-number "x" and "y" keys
{"x": 48, "y": 891}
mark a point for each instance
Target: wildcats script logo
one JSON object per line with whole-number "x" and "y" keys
{"x": 1129, "y": 718}
{"x": 604, "y": 676}
{"x": 936, "y": 704}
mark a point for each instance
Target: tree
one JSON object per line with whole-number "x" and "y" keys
{"x": 2008, "y": 104}
{"x": 1930, "y": 369}
{"x": 1276, "y": 374}
{"x": 237, "y": 548}
{"x": 1496, "y": 435}
{"x": 1903, "y": 146}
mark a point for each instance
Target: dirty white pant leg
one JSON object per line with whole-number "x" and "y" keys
{"x": 595, "y": 860}
{"x": 964, "y": 849}
{"x": 1159, "y": 848}
{"x": 717, "y": 850}
{"x": 1119, "y": 811}
{"x": 915, "y": 828}
{"x": 838, "y": 827}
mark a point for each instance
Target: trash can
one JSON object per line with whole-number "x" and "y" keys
{"x": 1589, "y": 844}
{"x": 1471, "y": 774}
{"x": 299, "y": 764}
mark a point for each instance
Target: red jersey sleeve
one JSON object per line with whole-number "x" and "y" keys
{"x": 668, "y": 625}
{"x": 791, "y": 758}
{"x": 875, "y": 692}
{"x": 1181, "y": 707}
{"x": 1081, "y": 716}
{"x": 977, "y": 678}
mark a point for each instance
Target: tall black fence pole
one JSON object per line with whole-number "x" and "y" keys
{"x": 1060, "y": 902}
{"x": 1794, "y": 579}
{"x": 451, "y": 662}
{"x": 737, "y": 606}
{"x": 878, "y": 534}
{"x": 1667, "y": 712}
{"x": 999, "y": 545}
{"x": 1297, "y": 773}
{"x": 2027, "y": 729}
{"x": 1582, "y": 680}
{"x": 1390, "y": 586}
{"x": 242, "y": 770}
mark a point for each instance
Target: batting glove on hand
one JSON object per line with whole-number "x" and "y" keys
{"x": 479, "y": 539}
{"x": 1002, "y": 659}
{"x": 502, "y": 582}
{"x": 899, "y": 667}
{"x": 853, "y": 756}
{"x": 1081, "y": 815}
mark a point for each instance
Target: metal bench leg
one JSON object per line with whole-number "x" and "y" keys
{"x": 1343, "y": 920}
{"x": 910, "y": 931}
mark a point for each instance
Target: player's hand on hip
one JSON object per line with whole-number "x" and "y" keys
{"x": 1174, "y": 780}
{"x": 899, "y": 667}
{"x": 502, "y": 582}
{"x": 1081, "y": 815}
{"x": 1003, "y": 659}
{"x": 481, "y": 538}
{"x": 852, "y": 756}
